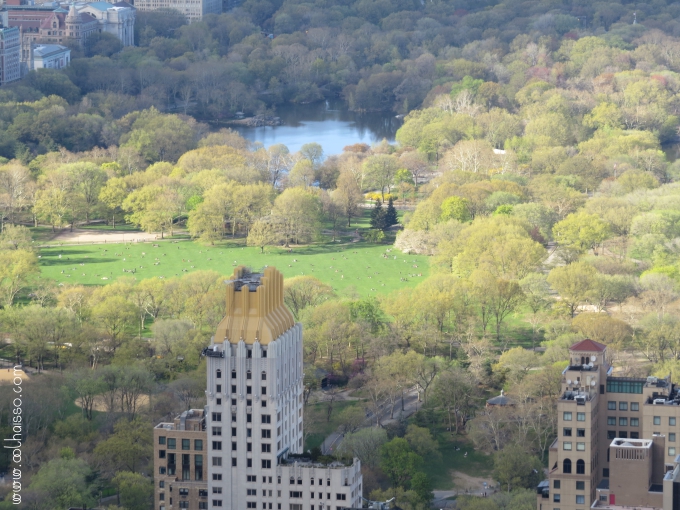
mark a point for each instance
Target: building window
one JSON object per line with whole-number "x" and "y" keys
{"x": 216, "y": 416}
{"x": 233, "y": 374}
{"x": 580, "y": 467}
{"x": 295, "y": 494}
{"x": 623, "y": 406}
{"x": 580, "y": 486}
{"x": 233, "y": 388}
{"x": 161, "y": 454}
{"x": 266, "y": 448}
{"x": 251, "y": 492}
{"x": 580, "y": 416}
{"x": 635, "y": 422}
{"x": 671, "y": 437}
{"x": 218, "y": 374}
{"x": 217, "y": 431}
{"x": 671, "y": 450}
{"x": 184, "y": 492}
{"x": 217, "y": 445}
{"x": 611, "y": 434}
{"x": 566, "y": 416}
{"x": 635, "y": 435}
{"x": 216, "y": 476}
{"x": 556, "y": 498}
{"x": 623, "y": 434}
{"x": 217, "y": 502}
{"x": 657, "y": 420}
{"x": 566, "y": 431}
{"x": 161, "y": 439}
{"x": 266, "y": 464}
{"x": 184, "y": 504}
{"x": 264, "y": 376}
{"x": 218, "y": 389}
{"x": 198, "y": 467}
{"x": 266, "y": 418}
{"x": 580, "y": 432}
{"x": 611, "y": 406}
{"x": 198, "y": 445}
{"x": 556, "y": 484}
{"x": 233, "y": 462}
{"x": 249, "y": 375}
{"x": 217, "y": 461}
{"x": 623, "y": 422}
{"x": 217, "y": 490}
{"x": 611, "y": 420}
{"x": 618, "y": 386}
{"x": 671, "y": 421}
{"x": 566, "y": 466}
{"x": 580, "y": 499}
{"x": 161, "y": 484}
{"x": 233, "y": 432}
{"x": 580, "y": 447}
{"x": 340, "y": 497}
{"x": 634, "y": 406}
{"x": 566, "y": 445}
{"x": 172, "y": 443}
{"x": 266, "y": 433}
{"x": 186, "y": 444}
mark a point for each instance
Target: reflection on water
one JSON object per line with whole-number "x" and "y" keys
{"x": 327, "y": 123}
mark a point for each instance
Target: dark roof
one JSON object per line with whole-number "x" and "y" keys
{"x": 500, "y": 400}
{"x": 604, "y": 484}
{"x": 588, "y": 345}
{"x": 123, "y": 4}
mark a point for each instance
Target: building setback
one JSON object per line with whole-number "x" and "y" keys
{"x": 253, "y": 417}
{"x": 617, "y": 439}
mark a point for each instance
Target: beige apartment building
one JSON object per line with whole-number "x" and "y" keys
{"x": 617, "y": 443}
{"x": 180, "y": 452}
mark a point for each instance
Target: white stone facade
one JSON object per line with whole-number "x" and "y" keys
{"x": 254, "y": 421}
{"x": 51, "y": 56}
{"x": 194, "y": 10}
{"x": 116, "y": 19}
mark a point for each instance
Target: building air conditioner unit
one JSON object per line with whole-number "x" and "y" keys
{"x": 580, "y": 399}
{"x": 659, "y": 401}
{"x": 652, "y": 380}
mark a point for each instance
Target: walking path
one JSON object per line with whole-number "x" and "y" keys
{"x": 411, "y": 405}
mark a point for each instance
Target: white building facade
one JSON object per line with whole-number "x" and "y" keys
{"x": 194, "y": 10}
{"x": 117, "y": 19}
{"x": 254, "y": 409}
{"x": 50, "y": 56}
{"x": 10, "y": 55}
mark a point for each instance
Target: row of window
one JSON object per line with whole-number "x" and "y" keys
{"x": 249, "y": 375}
{"x": 623, "y": 422}
{"x": 266, "y": 463}
{"x": 202, "y": 505}
{"x": 580, "y": 466}
{"x": 611, "y": 434}
{"x": 580, "y": 485}
{"x": 171, "y": 443}
{"x": 249, "y": 389}
{"x": 265, "y": 506}
{"x": 266, "y": 447}
{"x": 623, "y": 406}
{"x": 567, "y": 416}
{"x": 567, "y": 445}
{"x": 566, "y": 431}
{"x": 580, "y": 499}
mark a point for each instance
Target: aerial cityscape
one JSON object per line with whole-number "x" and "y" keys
{"x": 339, "y": 254}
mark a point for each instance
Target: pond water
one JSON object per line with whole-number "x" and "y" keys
{"x": 327, "y": 123}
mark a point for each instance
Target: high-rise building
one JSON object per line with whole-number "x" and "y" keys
{"x": 617, "y": 439}
{"x": 10, "y": 55}
{"x": 253, "y": 417}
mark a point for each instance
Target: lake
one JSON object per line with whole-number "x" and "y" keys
{"x": 327, "y": 123}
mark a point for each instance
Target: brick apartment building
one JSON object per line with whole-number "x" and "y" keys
{"x": 617, "y": 439}
{"x": 180, "y": 452}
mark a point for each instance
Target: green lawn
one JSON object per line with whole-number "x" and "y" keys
{"x": 358, "y": 265}
{"x": 316, "y": 421}
{"x": 476, "y": 464}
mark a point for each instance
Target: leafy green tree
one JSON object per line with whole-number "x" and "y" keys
{"x": 380, "y": 170}
{"x": 455, "y": 208}
{"x": 263, "y": 233}
{"x": 422, "y": 486}
{"x": 399, "y": 462}
{"x": 581, "y": 231}
{"x": 128, "y": 447}
{"x": 17, "y": 269}
{"x": 134, "y": 489}
{"x": 573, "y": 283}
{"x": 65, "y": 481}
{"x": 515, "y": 469}
{"x": 297, "y": 215}
{"x": 301, "y": 292}
{"x": 16, "y": 237}
{"x": 365, "y": 444}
